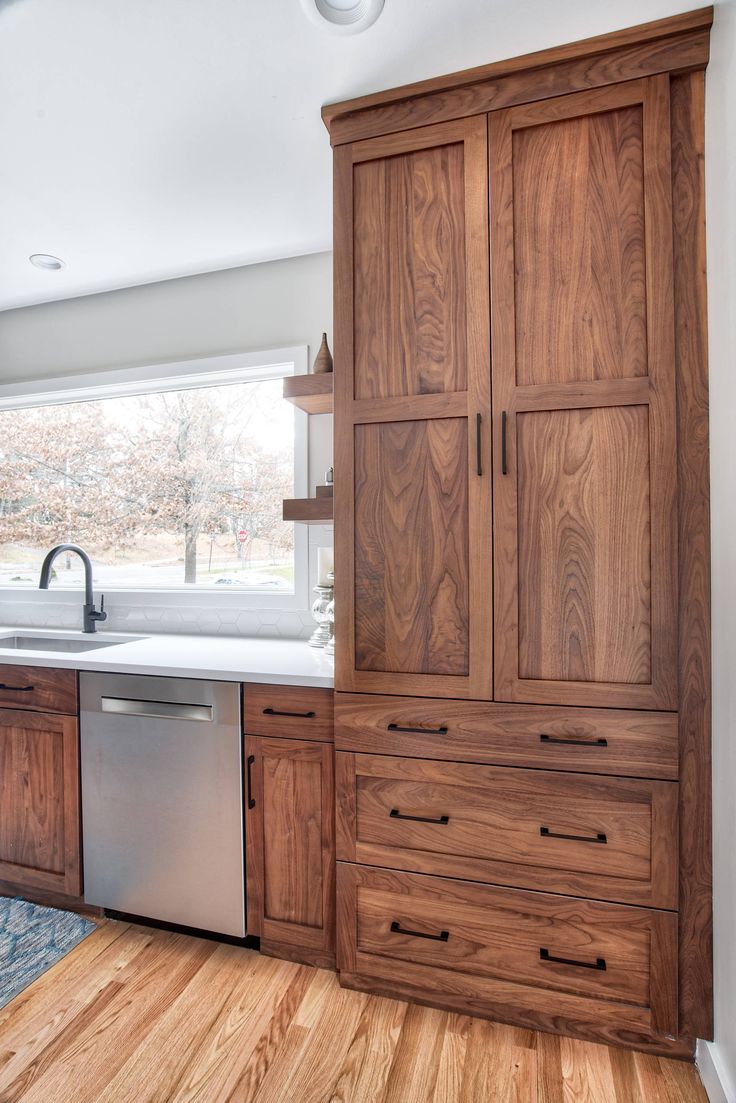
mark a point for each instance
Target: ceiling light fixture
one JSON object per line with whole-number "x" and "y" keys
{"x": 343, "y": 16}
{"x": 46, "y": 262}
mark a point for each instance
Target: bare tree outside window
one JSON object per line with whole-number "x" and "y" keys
{"x": 181, "y": 488}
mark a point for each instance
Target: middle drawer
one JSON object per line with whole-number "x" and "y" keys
{"x": 585, "y": 835}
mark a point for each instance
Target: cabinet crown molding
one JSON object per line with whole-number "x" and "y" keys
{"x": 678, "y": 43}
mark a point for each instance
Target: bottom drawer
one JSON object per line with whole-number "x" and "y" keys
{"x": 503, "y": 948}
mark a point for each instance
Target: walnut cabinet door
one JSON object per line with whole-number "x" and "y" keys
{"x": 412, "y": 413}
{"x": 290, "y": 845}
{"x": 583, "y": 399}
{"x": 40, "y": 815}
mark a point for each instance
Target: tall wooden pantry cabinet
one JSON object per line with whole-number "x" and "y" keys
{"x": 521, "y": 511}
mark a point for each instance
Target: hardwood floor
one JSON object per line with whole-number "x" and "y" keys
{"x": 135, "y": 1015}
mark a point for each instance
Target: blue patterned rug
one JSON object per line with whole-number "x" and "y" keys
{"x": 32, "y": 939}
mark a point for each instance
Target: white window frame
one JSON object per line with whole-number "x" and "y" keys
{"x": 238, "y": 367}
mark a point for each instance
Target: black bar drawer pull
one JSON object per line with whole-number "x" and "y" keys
{"x": 573, "y": 742}
{"x": 251, "y": 760}
{"x": 279, "y": 712}
{"x": 396, "y": 928}
{"x": 599, "y": 838}
{"x": 396, "y": 815}
{"x": 17, "y": 689}
{"x": 478, "y": 448}
{"x": 418, "y": 731}
{"x": 599, "y": 963}
{"x": 504, "y": 433}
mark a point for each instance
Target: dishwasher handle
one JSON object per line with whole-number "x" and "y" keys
{"x": 158, "y": 710}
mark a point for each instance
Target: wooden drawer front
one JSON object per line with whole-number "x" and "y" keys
{"x": 40, "y": 688}
{"x": 295, "y": 712}
{"x": 409, "y": 926}
{"x": 611, "y": 838}
{"x": 602, "y": 741}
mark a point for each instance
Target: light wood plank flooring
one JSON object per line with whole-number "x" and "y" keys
{"x": 135, "y": 1015}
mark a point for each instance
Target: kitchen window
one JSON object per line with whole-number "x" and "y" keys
{"x": 170, "y": 477}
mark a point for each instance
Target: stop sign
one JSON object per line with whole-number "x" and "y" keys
{"x": 242, "y": 536}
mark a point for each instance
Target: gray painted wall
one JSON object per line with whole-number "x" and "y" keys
{"x": 721, "y": 210}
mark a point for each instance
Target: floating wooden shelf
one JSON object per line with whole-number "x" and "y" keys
{"x": 311, "y": 393}
{"x": 310, "y": 511}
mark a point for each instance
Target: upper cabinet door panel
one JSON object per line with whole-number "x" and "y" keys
{"x": 583, "y": 396}
{"x": 409, "y": 217}
{"x": 581, "y": 299}
{"x": 413, "y": 518}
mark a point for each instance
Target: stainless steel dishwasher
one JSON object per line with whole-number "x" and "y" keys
{"x": 162, "y": 801}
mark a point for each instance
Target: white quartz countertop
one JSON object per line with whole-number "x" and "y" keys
{"x": 222, "y": 658}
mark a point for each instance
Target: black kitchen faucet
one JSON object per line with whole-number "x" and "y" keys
{"x": 91, "y": 615}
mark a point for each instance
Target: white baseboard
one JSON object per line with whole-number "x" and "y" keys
{"x": 714, "y": 1077}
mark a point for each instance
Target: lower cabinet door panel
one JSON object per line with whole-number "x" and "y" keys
{"x": 290, "y": 850}
{"x": 571, "y": 959}
{"x": 40, "y": 815}
{"x": 585, "y": 835}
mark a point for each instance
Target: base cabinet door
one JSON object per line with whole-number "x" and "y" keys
{"x": 40, "y": 815}
{"x": 290, "y": 847}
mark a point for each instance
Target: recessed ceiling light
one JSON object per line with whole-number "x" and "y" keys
{"x": 46, "y": 261}
{"x": 343, "y": 16}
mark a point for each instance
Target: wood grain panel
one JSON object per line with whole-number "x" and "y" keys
{"x": 598, "y": 741}
{"x": 585, "y": 504}
{"x": 691, "y": 347}
{"x": 290, "y": 842}
{"x": 40, "y": 817}
{"x": 496, "y": 932}
{"x": 290, "y": 712}
{"x": 581, "y": 303}
{"x": 409, "y": 250}
{"x": 411, "y": 588}
{"x": 41, "y": 688}
{"x": 602, "y": 837}
{"x": 491, "y": 955}
{"x": 584, "y": 545}
{"x": 292, "y": 838}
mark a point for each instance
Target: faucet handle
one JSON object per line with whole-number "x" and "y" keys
{"x": 98, "y": 615}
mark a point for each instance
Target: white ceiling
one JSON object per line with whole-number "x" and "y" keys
{"x": 145, "y": 139}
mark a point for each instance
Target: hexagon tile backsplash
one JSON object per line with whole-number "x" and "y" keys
{"x": 159, "y": 618}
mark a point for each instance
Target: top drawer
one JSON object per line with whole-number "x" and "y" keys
{"x": 295, "y": 712}
{"x": 39, "y": 688}
{"x": 600, "y": 741}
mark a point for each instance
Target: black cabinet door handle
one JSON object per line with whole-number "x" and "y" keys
{"x": 251, "y": 760}
{"x": 279, "y": 712}
{"x": 17, "y": 689}
{"x": 396, "y": 815}
{"x": 573, "y": 742}
{"x": 504, "y": 433}
{"x": 599, "y": 838}
{"x": 545, "y": 955}
{"x": 418, "y": 731}
{"x": 478, "y": 448}
{"x": 396, "y": 928}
